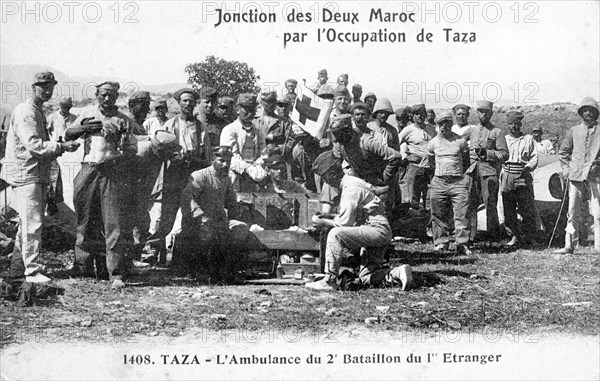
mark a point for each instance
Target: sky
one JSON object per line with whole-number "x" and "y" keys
{"x": 526, "y": 52}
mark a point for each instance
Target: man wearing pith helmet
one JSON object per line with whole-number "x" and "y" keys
{"x": 383, "y": 109}
{"x": 580, "y": 161}
{"x": 211, "y": 239}
{"x": 449, "y": 188}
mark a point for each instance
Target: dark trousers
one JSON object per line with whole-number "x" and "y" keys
{"x": 520, "y": 200}
{"x": 484, "y": 189}
{"x": 414, "y": 185}
{"x": 450, "y": 197}
{"x": 301, "y": 166}
{"x": 100, "y": 200}
{"x": 174, "y": 180}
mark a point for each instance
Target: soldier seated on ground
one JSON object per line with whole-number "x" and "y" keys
{"x": 361, "y": 223}
{"x": 210, "y": 241}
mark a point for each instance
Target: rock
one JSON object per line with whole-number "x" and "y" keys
{"x": 454, "y": 324}
{"x": 382, "y": 309}
{"x": 266, "y": 304}
{"x": 473, "y": 276}
{"x": 372, "y": 320}
{"x": 153, "y": 333}
{"x": 86, "y": 323}
{"x": 332, "y": 312}
{"x": 422, "y": 304}
{"x": 494, "y": 272}
{"x": 197, "y": 295}
{"x": 219, "y": 316}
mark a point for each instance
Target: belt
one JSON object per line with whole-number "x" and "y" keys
{"x": 514, "y": 168}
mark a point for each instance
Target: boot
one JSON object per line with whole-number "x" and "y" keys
{"x": 568, "y": 249}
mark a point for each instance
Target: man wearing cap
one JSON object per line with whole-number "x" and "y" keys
{"x": 350, "y": 234}
{"x": 247, "y": 141}
{"x": 275, "y": 129}
{"x": 431, "y": 116}
{"x": 206, "y": 113}
{"x": 139, "y": 106}
{"x": 58, "y": 122}
{"x": 370, "y": 99}
{"x": 276, "y": 181}
{"x": 322, "y": 78}
{"x": 544, "y": 146}
{"x": 488, "y": 151}
{"x": 580, "y": 161}
{"x": 449, "y": 190}
{"x": 516, "y": 181}
{"x": 26, "y": 167}
{"x": 195, "y": 154}
{"x": 102, "y": 188}
{"x": 211, "y": 240}
{"x": 154, "y": 124}
{"x": 461, "y": 113}
{"x": 383, "y": 109}
{"x": 365, "y": 153}
{"x": 289, "y": 88}
{"x": 342, "y": 82}
{"x": 356, "y": 93}
{"x": 224, "y": 113}
{"x": 402, "y": 117}
{"x": 413, "y": 141}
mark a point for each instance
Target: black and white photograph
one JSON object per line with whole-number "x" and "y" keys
{"x": 299, "y": 190}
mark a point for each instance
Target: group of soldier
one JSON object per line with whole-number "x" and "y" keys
{"x": 138, "y": 172}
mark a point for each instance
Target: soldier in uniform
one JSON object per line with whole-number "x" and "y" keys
{"x": 413, "y": 142}
{"x": 383, "y": 109}
{"x": 153, "y": 124}
{"x": 356, "y": 93}
{"x": 449, "y": 189}
{"x": 139, "y": 106}
{"x": 488, "y": 151}
{"x": 211, "y": 241}
{"x": 580, "y": 161}
{"x": 350, "y": 233}
{"x": 206, "y": 113}
{"x": 102, "y": 188}
{"x": 247, "y": 141}
{"x": 516, "y": 181}
{"x": 461, "y": 113}
{"x": 195, "y": 153}
{"x": 58, "y": 123}
{"x": 26, "y": 167}
{"x": 224, "y": 112}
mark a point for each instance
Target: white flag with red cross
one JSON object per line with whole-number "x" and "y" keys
{"x": 311, "y": 112}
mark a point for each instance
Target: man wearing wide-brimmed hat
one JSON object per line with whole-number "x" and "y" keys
{"x": 211, "y": 240}
{"x": 580, "y": 161}
{"x": 26, "y": 167}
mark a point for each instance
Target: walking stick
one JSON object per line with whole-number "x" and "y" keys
{"x": 562, "y": 205}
